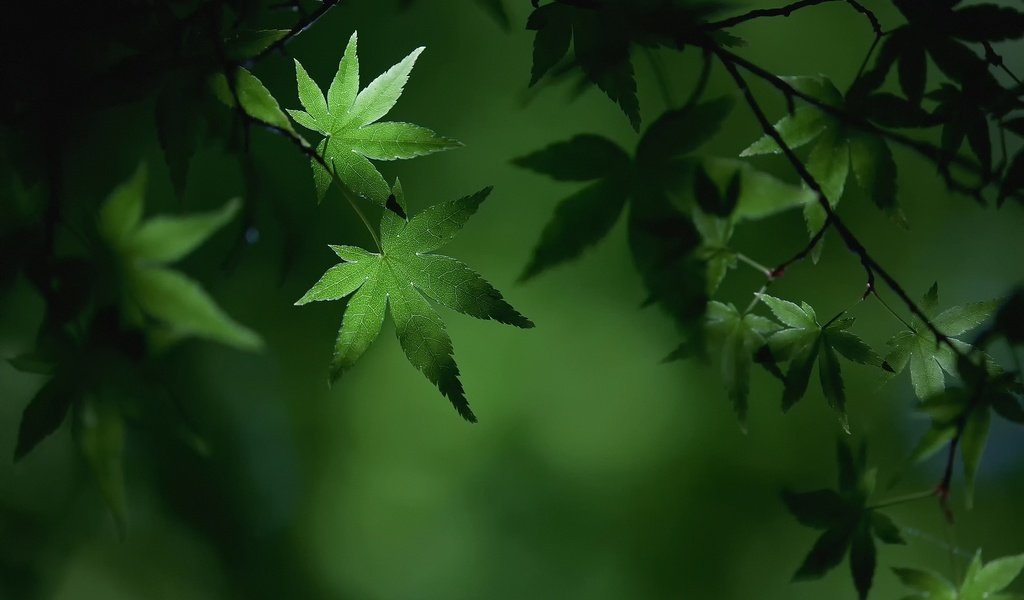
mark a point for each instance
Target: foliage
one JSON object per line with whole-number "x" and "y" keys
{"x": 348, "y": 118}
{"x": 980, "y": 581}
{"x": 398, "y": 277}
{"x": 850, "y": 525}
{"x": 112, "y": 306}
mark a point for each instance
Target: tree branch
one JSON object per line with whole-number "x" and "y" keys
{"x": 303, "y": 24}
{"x": 787, "y": 10}
{"x": 871, "y": 266}
{"x": 932, "y": 153}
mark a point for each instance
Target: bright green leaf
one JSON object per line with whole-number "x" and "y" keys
{"x": 401, "y": 278}
{"x": 349, "y": 118}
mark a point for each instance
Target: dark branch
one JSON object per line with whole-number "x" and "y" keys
{"x": 931, "y": 152}
{"x": 303, "y": 24}
{"x": 871, "y": 266}
{"x": 785, "y": 11}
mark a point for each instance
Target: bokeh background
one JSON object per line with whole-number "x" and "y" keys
{"x": 596, "y": 471}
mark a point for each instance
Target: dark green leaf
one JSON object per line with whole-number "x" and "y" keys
{"x": 553, "y": 25}
{"x": 875, "y": 169}
{"x": 826, "y": 554}
{"x": 862, "y": 559}
{"x": 604, "y": 58}
{"x": 44, "y": 414}
{"x": 926, "y": 582}
{"x": 972, "y": 445}
{"x": 890, "y": 110}
{"x": 99, "y": 430}
{"x": 580, "y": 221}
{"x": 177, "y": 129}
{"x": 819, "y": 509}
{"x": 799, "y": 374}
{"x": 913, "y": 71}
{"x": 988, "y": 23}
{"x": 1008, "y": 407}
{"x": 832, "y": 380}
{"x": 680, "y": 131}
{"x": 885, "y": 529}
{"x": 250, "y": 42}
{"x": 582, "y": 158}
{"x": 710, "y": 199}
{"x": 1013, "y": 179}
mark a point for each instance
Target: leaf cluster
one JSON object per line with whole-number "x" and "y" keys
{"x": 603, "y": 33}
{"x": 848, "y": 523}
{"x": 680, "y": 251}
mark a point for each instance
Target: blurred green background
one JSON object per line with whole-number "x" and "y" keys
{"x": 595, "y": 472}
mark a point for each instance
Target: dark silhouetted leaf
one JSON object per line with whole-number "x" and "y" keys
{"x": 582, "y": 158}
{"x": 580, "y": 221}
{"x": 44, "y": 414}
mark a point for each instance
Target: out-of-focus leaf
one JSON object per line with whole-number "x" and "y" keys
{"x": 250, "y": 42}
{"x": 179, "y": 304}
{"x": 99, "y": 430}
{"x": 849, "y": 523}
{"x": 44, "y": 414}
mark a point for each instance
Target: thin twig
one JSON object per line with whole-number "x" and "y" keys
{"x": 785, "y": 11}
{"x": 303, "y": 24}
{"x": 931, "y": 152}
{"x": 754, "y": 264}
{"x": 760, "y": 13}
{"x": 871, "y": 266}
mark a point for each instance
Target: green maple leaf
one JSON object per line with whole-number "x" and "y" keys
{"x": 918, "y": 348}
{"x": 849, "y": 524}
{"x": 401, "y": 277}
{"x": 350, "y": 121}
{"x": 658, "y": 185}
{"x": 151, "y": 290}
{"x": 736, "y": 336}
{"x": 981, "y": 582}
{"x": 805, "y": 342}
{"x": 603, "y": 34}
{"x": 967, "y": 411}
{"x": 836, "y": 151}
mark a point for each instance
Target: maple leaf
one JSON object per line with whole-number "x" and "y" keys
{"x": 350, "y": 121}
{"x": 966, "y": 411}
{"x": 737, "y": 337}
{"x": 981, "y": 580}
{"x": 927, "y": 358}
{"x": 805, "y": 342}
{"x": 664, "y": 240}
{"x": 150, "y": 289}
{"x": 849, "y": 523}
{"x": 603, "y": 34}
{"x": 401, "y": 277}
{"x": 838, "y": 150}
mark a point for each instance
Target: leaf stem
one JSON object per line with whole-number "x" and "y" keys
{"x": 753, "y": 263}
{"x": 891, "y": 311}
{"x": 354, "y": 203}
{"x": 303, "y": 24}
{"x": 871, "y": 266}
{"x": 903, "y": 499}
{"x": 931, "y": 152}
{"x": 659, "y": 77}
